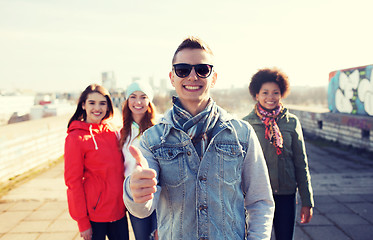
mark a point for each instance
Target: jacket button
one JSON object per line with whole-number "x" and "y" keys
{"x": 202, "y": 207}
{"x": 189, "y": 153}
{"x": 201, "y": 178}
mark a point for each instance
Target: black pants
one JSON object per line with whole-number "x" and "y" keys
{"x": 117, "y": 230}
{"x": 144, "y": 228}
{"x": 284, "y": 219}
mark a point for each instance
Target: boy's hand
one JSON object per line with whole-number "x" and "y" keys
{"x": 143, "y": 182}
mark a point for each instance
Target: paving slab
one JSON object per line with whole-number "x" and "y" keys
{"x": 5, "y": 206}
{"x": 364, "y": 210}
{"x": 20, "y": 236}
{"x": 299, "y": 234}
{"x": 349, "y": 198}
{"x": 327, "y": 208}
{"x": 317, "y": 220}
{"x": 25, "y": 206}
{"x": 359, "y": 232}
{"x": 44, "y": 215}
{"x": 62, "y": 226}
{"x": 342, "y": 219}
{"x": 326, "y": 232}
{"x": 321, "y": 199}
{"x": 59, "y": 236}
{"x": 10, "y": 220}
{"x": 31, "y": 226}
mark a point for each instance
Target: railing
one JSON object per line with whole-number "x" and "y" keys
{"x": 31, "y": 144}
{"x": 27, "y": 145}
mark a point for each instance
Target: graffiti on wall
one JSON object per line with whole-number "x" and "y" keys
{"x": 361, "y": 122}
{"x": 351, "y": 91}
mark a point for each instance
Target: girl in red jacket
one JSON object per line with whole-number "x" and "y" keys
{"x": 94, "y": 169}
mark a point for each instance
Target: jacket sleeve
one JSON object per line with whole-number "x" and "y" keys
{"x": 302, "y": 173}
{"x": 74, "y": 168}
{"x": 142, "y": 210}
{"x": 259, "y": 202}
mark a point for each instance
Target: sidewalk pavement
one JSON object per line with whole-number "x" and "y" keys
{"x": 342, "y": 181}
{"x": 37, "y": 209}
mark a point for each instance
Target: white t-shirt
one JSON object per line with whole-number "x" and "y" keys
{"x": 133, "y": 139}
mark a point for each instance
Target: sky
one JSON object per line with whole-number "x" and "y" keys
{"x": 65, "y": 45}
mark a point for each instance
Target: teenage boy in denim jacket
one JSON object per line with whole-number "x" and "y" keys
{"x": 201, "y": 169}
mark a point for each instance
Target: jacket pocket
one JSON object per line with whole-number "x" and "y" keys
{"x": 98, "y": 200}
{"x": 287, "y": 179}
{"x": 230, "y": 161}
{"x": 172, "y": 165}
{"x": 93, "y": 194}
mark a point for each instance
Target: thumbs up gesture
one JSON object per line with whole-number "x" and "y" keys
{"x": 143, "y": 182}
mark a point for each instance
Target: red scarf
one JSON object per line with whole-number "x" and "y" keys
{"x": 272, "y": 131}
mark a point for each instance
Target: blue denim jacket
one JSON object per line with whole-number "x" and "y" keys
{"x": 212, "y": 197}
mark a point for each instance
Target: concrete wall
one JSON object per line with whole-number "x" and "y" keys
{"x": 347, "y": 129}
{"x": 30, "y": 144}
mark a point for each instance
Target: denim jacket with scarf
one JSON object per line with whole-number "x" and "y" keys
{"x": 212, "y": 197}
{"x": 289, "y": 170}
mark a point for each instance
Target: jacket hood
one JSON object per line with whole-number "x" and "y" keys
{"x": 81, "y": 125}
{"x": 88, "y": 127}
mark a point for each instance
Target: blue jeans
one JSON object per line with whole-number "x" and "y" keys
{"x": 117, "y": 230}
{"x": 284, "y": 219}
{"x": 143, "y": 228}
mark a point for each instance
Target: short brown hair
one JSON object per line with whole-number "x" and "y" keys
{"x": 269, "y": 75}
{"x": 192, "y": 43}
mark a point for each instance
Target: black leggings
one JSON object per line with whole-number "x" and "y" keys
{"x": 284, "y": 219}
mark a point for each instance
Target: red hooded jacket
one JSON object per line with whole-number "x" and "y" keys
{"x": 94, "y": 174}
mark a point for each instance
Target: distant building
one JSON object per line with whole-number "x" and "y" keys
{"x": 108, "y": 81}
{"x": 14, "y": 106}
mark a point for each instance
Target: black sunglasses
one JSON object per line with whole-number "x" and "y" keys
{"x": 183, "y": 70}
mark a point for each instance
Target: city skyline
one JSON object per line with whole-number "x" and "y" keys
{"x": 66, "y": 45}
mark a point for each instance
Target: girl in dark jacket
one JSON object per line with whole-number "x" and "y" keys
{"x": 280, "y": 135}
